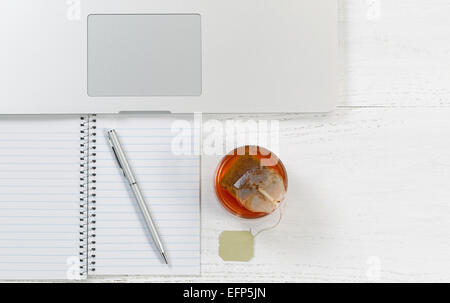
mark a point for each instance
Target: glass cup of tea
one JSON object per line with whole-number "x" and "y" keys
{"x": 251, "y": 182}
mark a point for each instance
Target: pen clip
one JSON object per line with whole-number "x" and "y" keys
{"x": 114, "y": 152}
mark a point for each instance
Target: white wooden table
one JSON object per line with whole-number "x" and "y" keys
{"x": 369, "y": 192}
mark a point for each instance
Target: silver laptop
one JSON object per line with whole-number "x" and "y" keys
{"x": 217, "y": 56}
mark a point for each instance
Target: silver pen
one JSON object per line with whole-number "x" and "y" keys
{"x": 128, "y": 173}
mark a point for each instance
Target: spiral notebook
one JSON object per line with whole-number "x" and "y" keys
{"x": 67, "y": 213}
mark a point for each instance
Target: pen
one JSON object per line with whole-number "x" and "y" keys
{"x": 128, "y": 173}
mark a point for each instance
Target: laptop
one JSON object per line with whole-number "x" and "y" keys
{"x": 212, "y": 56}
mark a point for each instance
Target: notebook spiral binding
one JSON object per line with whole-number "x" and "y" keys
{"x": 88, "y": 162}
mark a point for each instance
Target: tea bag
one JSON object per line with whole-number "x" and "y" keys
{"x": 260, "y": 190}
{"x": 257, "y": 188}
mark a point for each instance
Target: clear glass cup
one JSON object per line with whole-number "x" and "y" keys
{"x": 228, "y": 201}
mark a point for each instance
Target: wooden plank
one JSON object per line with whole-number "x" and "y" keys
{"x": 395, "y": 53}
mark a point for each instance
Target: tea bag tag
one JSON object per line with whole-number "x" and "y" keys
{"x": 239, "y": 246}
{"x": 236, "y": 246}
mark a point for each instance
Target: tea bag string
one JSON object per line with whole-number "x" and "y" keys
{"x": 271, "y": 227}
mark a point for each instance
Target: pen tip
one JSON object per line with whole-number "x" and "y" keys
{"x": 165, "y": 258}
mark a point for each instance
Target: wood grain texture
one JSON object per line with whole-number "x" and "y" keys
{"x": 395, "y": 53}
{"x": 369, "y": 190}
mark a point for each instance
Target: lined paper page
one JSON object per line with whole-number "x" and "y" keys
{"x": 171, "y": 186}
{"x": 39, "y": 196}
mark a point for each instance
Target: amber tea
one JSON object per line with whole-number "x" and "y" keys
{"x": 249, "y": 185}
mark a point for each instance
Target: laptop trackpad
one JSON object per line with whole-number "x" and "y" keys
{"x": 144, "y": 55}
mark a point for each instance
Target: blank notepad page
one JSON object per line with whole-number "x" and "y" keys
{"x": 171, "y": 186}
{"x": 39, "y": 197}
